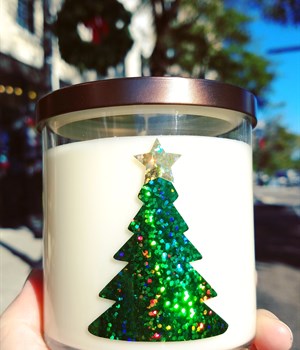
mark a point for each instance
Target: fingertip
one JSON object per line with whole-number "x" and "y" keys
{"x": 266, "y": 313}
{"x": 36, "y": 276}
{"x": 28, "y": 305}
{"x": 272, "y": 333}
{"x": 35, "y": 281}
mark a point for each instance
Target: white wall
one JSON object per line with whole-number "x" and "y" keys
{"x": 26, "y": 47}
{"x": 16, "y": 41}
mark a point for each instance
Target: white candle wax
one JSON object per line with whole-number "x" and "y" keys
{"x": 91, "y": 191}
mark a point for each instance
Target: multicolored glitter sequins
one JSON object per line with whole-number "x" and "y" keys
{"x": 159, "y": 295}
{"x": 158, "y": 163}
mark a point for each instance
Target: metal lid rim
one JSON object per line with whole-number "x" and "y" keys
{"x": 146, "y": 91}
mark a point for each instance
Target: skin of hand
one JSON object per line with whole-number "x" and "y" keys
{"x": 21, "y": 325}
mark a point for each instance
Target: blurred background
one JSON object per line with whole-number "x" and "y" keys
{"x": 255, "y": 44}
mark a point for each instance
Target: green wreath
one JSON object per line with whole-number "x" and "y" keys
{"x": 111, "y": 40}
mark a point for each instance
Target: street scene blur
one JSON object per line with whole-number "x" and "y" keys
{"x": 49, "y": 44}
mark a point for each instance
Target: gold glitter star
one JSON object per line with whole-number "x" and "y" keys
{"x": 158, "y": 163}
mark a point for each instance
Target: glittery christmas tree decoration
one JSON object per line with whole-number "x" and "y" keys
{"x": 158, "y": 163}
{"x": 158, "y": 295}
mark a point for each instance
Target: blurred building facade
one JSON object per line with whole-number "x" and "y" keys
{"x": 21, "y": 83}
{"x": 27, "y": 51}
{"x": 31, "y": 66}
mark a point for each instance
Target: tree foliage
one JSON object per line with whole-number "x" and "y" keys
{"x": 280, "y": 11}
{"x": 276, "y": 148}
{"x": 206, "y": 39}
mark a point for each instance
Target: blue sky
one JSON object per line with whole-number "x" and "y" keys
{"x": 285, "y": 90}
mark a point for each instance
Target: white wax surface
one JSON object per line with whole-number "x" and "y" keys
{"x": 91, "y": 191}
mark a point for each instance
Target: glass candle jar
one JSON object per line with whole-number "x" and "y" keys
{"x": 148, "y": 215}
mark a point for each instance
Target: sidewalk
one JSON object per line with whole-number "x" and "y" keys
{"x": 270, "y": 195}
{"x": 19, "y": 252}
{"x": 278, "y": 283}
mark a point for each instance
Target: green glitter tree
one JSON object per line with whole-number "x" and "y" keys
{"x": 159, "y": 295}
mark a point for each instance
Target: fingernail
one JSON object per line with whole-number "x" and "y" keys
{"x": 269, "y": 314}
{"x": 285, "y": 330}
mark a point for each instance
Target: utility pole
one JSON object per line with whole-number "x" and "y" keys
{"x": 283, "y": 50}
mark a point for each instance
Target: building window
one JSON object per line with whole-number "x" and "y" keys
{"x": 25, "y": 14}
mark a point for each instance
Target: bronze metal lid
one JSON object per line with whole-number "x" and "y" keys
{"x": 146, "y": 91}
